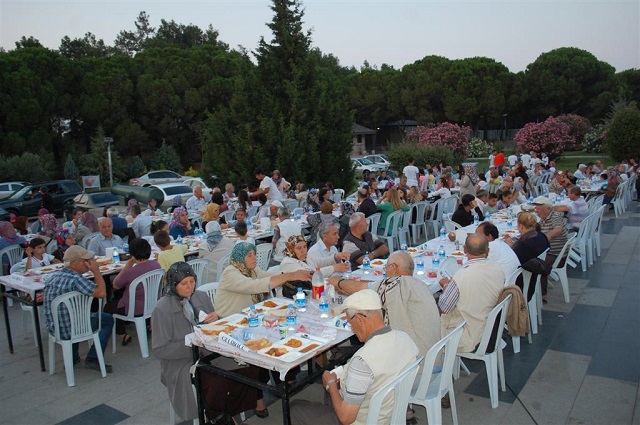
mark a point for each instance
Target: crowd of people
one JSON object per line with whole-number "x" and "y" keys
{"x": 395, "y": 319}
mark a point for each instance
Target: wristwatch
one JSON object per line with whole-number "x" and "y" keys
{"x": 332, "y": 381}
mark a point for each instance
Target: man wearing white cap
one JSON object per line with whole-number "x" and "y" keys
{"x": 579, "y": 174}
{"x": 78, "y": 261}
{"x": 385, "y": 354}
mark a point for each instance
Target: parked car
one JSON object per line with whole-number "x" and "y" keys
{"x": 157, "y": 177}
{"x": 365, "y": 167}
{"x": 7, "y": 188}
{"x": 22, "y": 203}
{"x": 96, "y": 201}
{"x": 4, "y": 215}
{"x": 379, "y": 158}
{"x": 197, "y": 181}
{"x": 171, "y": 190}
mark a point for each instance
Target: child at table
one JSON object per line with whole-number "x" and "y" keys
{"x": 36, "y": 256}
{"x": 169, "y": 254}
{"x": 491, "y": 206}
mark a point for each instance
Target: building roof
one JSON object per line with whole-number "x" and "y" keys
{"x": 360, "y": 129}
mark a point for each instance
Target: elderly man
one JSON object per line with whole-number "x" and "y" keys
{"x": 120, "y": 225}
{"x": 471, "y": 293}
{"x": 282, "y": 231}
{"x": 580, "y": 173}
{"x": 385, "y": 354}
{"x": 324, "y": 252}
{"x": 78, "y": 261}
{"x": 360, "y": 241}
{"x": 141, "y": 224}
{"x": 197, "y": 202}
{"x": 499, "y": 252}
{"x": 365, "y": 203}
{"x": 229, "y": 193}
{"x": 577, "y": 209}
{"x": 106, "y": 238}
{"x": 553, "y": 225}
{"x": 267, "y": 187}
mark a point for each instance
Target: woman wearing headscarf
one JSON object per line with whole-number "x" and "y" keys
{"x": 212, "y": 214}
{"x": 467, "y": 185}
{"x": 50, "y": 226}
{"x": 152, "y": 208}
{"x": 173, "y": 318}
{"x": 37, "y": 225}
{"x": 8, "y": 237}
{"x": 180, "y": 225}
{"x": 65, "y": 239}
{"x": 217, "y": 246}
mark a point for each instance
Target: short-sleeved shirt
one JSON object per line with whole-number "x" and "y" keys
{"x": 274, "y": 193}
{"x": 578, "y": 211}
{"x": 555, "y": 219}
{"x": 61, "y": 283}
{"x": 173, "y": 255}
{"x": 411, "y": 171}
{"x": 99, "y": 244}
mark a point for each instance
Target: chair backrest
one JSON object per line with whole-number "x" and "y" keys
{"x": 78, "y": 307}
{"x": 210, "y": 289}
{"x": 435, "y": 213}
{"x": 419, "y": 208}
{"x": 298, "y": 211}
{"x": 151, "y": 283}
{"x": 564, "y": 251}
{"x": 199, "y": 265}
{"x": 14, "y": 253}
{"x": 449, "y": 266}
{"x": 595, "y": 203}
{"x": 263, "y": 255}
{"x": 400, "y": 386}
{"x": 450, "y": 345}
{"x": 374, "y": 220}
{"x": 493, "y": 328}
{"x": 222, "y": 264}
{"x": 451, "y": 226}
{"x": 406, "y": 219}
{"x": 393, "y": 222}
{"x": 620, "y": 191}
{"x": 251, "y": 211}
{"x": 87, "y": 239}
{"x": 450, "y": 204}
{"x": 228, "y": 215}
{"x": 291, "y": 204}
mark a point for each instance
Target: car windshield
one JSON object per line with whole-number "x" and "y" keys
{"x": 177, "y": 190}
{"x": 19, "y": 194}
{"x": 366, "y": 161}
{"x": 99, "y": 198}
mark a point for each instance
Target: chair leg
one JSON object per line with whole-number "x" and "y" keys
{"x": 141, "y": 329}
{"x": 67, "y": 357}
{"x": 503, "y": 384}
{"x": 516, "y": 344}
{"x": 457, "y": 363}
{"x": 564, "y": 281}
{"x": 434, "y": 411}
{"x": 98, "y": 345}
{"x": 52, "y": 356}
{"x": 454, "y": 410}
{"x": 172, "y": 414}
{"x": 533, "y": 314}
{"x": 492, "y": 377}
{"x": 113, "y": 337}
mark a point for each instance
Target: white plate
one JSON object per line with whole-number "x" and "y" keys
{"x": 233, "y": 319}
{"x": 260, "y": 306}
{"x": 290, "y": 356}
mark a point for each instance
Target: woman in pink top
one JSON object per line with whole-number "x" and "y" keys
{"x": 135, "y": 267}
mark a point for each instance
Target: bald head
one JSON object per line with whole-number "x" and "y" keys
{"x": 476, "y": 245}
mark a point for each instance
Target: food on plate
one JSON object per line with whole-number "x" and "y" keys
{"x": 280, "y": 314}
{"x": 377, "y": 263}
{"x": 244, "y": 321}
{"x": 104, "y": 268}
{"x": 276, "y": 351}
{"x": 309, "y": 348}
{"x": 258, "y": 344}
{"x": 293, "y": 343}
{"x": 284, "y": 307}
{"x": 215, "y": 329}
{"x": 458, "y": 253}
{"x": 269, "y": 304}
{"x": 104, "y": 261}
{"x": 412, "y": 250}
{"x": 46, "y": 269}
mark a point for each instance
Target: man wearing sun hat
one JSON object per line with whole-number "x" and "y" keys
{"x": 78, "y": 261}
{"x": 385, "y": 354}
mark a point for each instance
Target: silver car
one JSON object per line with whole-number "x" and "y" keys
{"x": 172, "y": 190}
{"x": 7, "y": 188}
{"x": 364, "y": 167}
{"x": 157, "y": 177}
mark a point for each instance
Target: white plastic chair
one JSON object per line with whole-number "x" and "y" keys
{"x": 596, "y": 231}
{"x": 435, "y": 217}
{"x": 87, "y": 239}
{"x": 618, "y": 202}
{"x": 251, "y": 211}
{"x": 449, "y": 267}
{"x": 595, "y": 203}
{"x": 579, "y": 250}
{"x": 197, "y": 222}
{"x": 298, "y": 211}
{"x": 263, "y": 255}
{"x": 403, "y": 231}
{"x": 400, "y": 386}
{"x": 228, "y": 215}
{"x": 290, "y": 204}
{"x": 450, "y": 204}
{"x": 435, "y": 385}
{"x": 199, "y": 265}
{"x": 373, "y": 220}
{"x": 490, "y": 350}
{"x": 151, "y": 283}
{"x": 515, "y": 340}
{"x": 14, "y": 253}
{"x": 222, "y": 264}
{"x": 419, "y": 225}
{"x": 559, "y": 273}
{"x": 79, "y": 309}
{"x": 210, "y": 289}
{"x": 451, "y": 226}
{"x": 390, "y": 232}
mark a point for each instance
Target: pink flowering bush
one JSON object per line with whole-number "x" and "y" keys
{"x": 449, "y": 135}
{"x": 579, "y": 126}
{"x": 551, "y": 137}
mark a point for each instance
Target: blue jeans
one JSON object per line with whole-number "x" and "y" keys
{"x": 104, "y": 335}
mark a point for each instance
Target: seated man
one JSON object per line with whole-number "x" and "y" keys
{"x": 471, "y": 294}
{"x": 78, "y": 261}
{"x": 106, "y": 238}
{"x": 141, "y": 223}
{"x": 197, "y": 202}
{"x": 499, "y": 252}
{"x": 384, "y": 355}
{"x": 577, "y": 209}
{"x": 365, "y": 203}
{"x": 324, "y": 252}
{"x": 360, "y": 241}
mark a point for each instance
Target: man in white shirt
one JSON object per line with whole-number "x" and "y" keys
{"x": 513, "y": 158}
{"x": 500, "y": 253}
{"x": 141, "y": 223}
{"x": 411, "y": 171}
{"x": 267, "y": 186}
{"x": 579, "y": 174}
{"x": 197, "y": 202}
{"x": 324, "y": 252}
{"x": 526, "y": 159}
{"x": 492, "y": 158}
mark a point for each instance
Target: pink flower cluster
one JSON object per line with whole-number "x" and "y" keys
{"x": 551, "y": 137}
{"x": 446, "y": 134}
{"x": 579, "y": 126}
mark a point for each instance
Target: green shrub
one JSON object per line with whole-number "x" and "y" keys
{"x": 28, "y": 166}
{"x": 594, "y": 140}
{"x": 423, "y": 154}
{"x": 71, "y": 171}
{"x": 167, "y": 159}
{"x": 479, "y": 148}
{"x": 135, "y": 167}
{"x": 623, "y": 133}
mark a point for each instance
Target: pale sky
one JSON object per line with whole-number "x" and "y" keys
{"x": 513, "y": 32}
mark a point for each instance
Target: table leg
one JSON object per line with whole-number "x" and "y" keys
{"x": 196, "y": 383}
{"x": 6, "y": 316}
{"x": 286, "y": 412}
{"x": 36, "y": 321}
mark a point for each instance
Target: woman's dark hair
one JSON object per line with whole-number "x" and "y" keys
{"x": 243, "y": 199}
{"x": 461, "y": 169}
{"x": 217, "y": 198}
{"x": 321, "y": 194}
{"x": 262, "y": 198}
{"x": 444, "y": 182}
{"x": 467, "y": 199}
{"x": 36, "y": 242}
{"x": 329, "y": 186}
{"x": 140, "y": 249}
{"x": 157, "y": 225}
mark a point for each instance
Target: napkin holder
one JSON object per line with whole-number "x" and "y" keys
{"x": 18, "y": 277}
{"x": 108, "y": 252}
{"x": 265, "y": 223}
{"x": 461, "y": 235}
{"x": 232, "y": 341}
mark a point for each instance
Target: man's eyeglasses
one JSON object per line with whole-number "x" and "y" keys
{"x": 349, "y": 319}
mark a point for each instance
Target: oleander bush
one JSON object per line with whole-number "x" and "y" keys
{"x": 552, "y": 137}
{"x": 593, "y": 141}
{"x": 446, "y": 134}
{"x": 579, "y": 126}
{"x": 479, "y": 148}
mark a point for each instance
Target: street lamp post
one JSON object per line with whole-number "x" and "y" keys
{"x": 504, "y": 116}
{"x": 109, "y": 141}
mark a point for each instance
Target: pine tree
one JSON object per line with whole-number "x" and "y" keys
{"x": 71, "y": 172}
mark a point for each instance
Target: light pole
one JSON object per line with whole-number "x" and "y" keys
{"x": 504, "y": 116}
{"x": 109, "y": 141}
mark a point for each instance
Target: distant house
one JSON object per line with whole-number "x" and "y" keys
{"x": 394, "y": 132}
{"x": 363, "y": 140}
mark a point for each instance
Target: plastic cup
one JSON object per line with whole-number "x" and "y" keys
{"x": 282, "y": 329}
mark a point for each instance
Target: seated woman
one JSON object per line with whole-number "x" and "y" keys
{"x": 296, "y": 259}
{"x": 390, "y": 202}
{"x": 36, "y": 226}
{"x": 212, "y": 215}
{"x": 374, "y": 193}
{"x": 442, "y": 189}
{"x": 50, "y": 227}
{"x": 180, "y": 225}
{"x": 214, "y": 250}
{"x": 35, "y": 257}
{"x": 8, "y": 237}
{"x": 315, "y": 220}
{"x": 465, "y": 212}
{"x": 174, "y": 317}
{"x": 152, "y": 208}
{"x": 135, "y": 267}
{"x": 414, "y": 195}
{"x": 65, "y": 239}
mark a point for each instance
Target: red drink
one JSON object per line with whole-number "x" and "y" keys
{"x": 316, "y": 292}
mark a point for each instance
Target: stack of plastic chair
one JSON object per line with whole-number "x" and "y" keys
{"x": 199, "y": 265}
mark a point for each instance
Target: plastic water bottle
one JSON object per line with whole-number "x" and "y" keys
{"x": 125, "y": 248}
{"x": 366, "y": 263}
{"x": 301, "y": 300}
{"x": 253, "y": 317}
{"x": 402, "y": 239}
{"x": 116, "y": 256}
{"x": 292, "y": 315}
{"x": 179, "y": 240}
{"x": 441, "y": 252}
{"x": 324, "y": 306}
{"x": 443, "y": 234}
{"x": 476, "y": 218}
{"x": 347, "y": 274}
{"x": 420, "y": 264}
{"x": 330, "y": 292}
{"x": 291, "y": 217}
{"x": 317, "y": 284}
{"x": 435, "y": 262}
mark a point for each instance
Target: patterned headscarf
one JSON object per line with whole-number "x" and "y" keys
{"x": 238, "y": 254}
{"x": 214, "y": 236}
{"x": 176, "y": 273}
{"x": 132, "y": 202}
{"x": 50, "y": 226}
{"x": 7, "y": 230}
{"x": 175, "y": 218}
{"x": 90, "y": 221}
{"x": 62, "y": 239}
{"x": 211, "y": 212}
{"x": 42, "y": 211}
{"x": 290, "y": 245}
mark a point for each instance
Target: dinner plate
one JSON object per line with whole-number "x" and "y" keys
{"x": 261, "y": 307}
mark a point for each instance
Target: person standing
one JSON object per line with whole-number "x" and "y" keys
{"x": 499, "y": 161}
{"x": 267, "y": 187}
{"x": 47, "y": 199}
{"x": 512, "y": 159}
{"x": 411, "y": 172}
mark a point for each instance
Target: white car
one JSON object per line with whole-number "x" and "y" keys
{"x": 171, "y": 190}
{"x": 379, "y": 159}
{"x": 157, "y": 177}
{"x": 7, "y": 188}
{"x": 197, "y": 181}
{"x": 364, "y": 166}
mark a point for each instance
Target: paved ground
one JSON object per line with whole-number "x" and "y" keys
{"x": 582, "y": 368}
